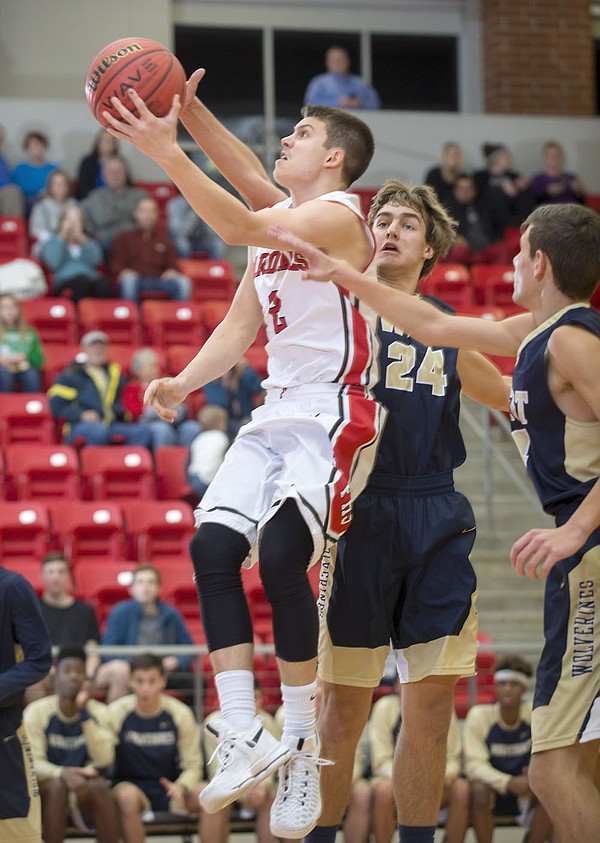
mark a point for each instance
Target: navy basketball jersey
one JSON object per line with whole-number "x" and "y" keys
{"x": 510, "y": 749}
{"x": 420, "y": 388}
{"x": 562, "y": 455}
{"x": 67, "y": 746}
{"x": 147, "y": 748}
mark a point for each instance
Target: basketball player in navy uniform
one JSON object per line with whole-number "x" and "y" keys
{"x": 288, "y": 482}
{"x": 555, "y": 409}
{"x": 421, "y": 445}
{"x": 72, "y": 745}
{"x": 25, "y": 658}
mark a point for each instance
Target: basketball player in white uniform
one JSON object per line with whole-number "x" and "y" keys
{"x": 288, "y": 482}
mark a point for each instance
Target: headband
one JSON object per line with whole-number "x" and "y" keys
{"x": 508, "y": 675}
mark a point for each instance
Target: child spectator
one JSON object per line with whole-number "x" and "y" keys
{"x": 497, "y": 748}
{"x": 158, "y": 758}
{"x": 144, "y": 259}
{"x": 71, "y": 743}
{"x": 75, "y": 259}
{"x": 47, "y": 212}
{"x": 208, "y": 449}
{"x": 21, "y": 355}
{"x": 31, "y": 175}
{"x": 90, "y": 172}
{"x": 145, "y": 367}
{"x": 87, "y": 395}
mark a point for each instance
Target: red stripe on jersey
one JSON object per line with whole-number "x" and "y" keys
{"x": 359, "y": 430}
{"x": 361, "y": 343}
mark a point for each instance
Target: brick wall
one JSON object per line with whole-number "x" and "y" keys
{"x": 538, "y": 57}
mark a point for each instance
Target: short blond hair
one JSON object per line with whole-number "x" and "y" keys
{"x": 213, "y": 417}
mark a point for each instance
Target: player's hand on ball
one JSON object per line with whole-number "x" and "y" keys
{"x": 191, "y": 87}
{"x": 164, "y": 395}
{"x": 154, "y": 136}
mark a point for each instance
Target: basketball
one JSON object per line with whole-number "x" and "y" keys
{"x": 139, "y": 63}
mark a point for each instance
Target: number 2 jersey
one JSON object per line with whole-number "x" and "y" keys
{"x": 315, "y": 331}
{"x": 562, "y": 455}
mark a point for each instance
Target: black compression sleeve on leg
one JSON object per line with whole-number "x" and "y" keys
{"x": 218, "y": 553}
{"x": 286, "y": 546}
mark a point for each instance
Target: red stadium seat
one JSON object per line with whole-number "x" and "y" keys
{"x": 482, "y": 311}
{"x": 57, "y": 358}
{"x": 449, "y": 282}
{"x": 26, "y": 417}
{"x": 104, "y": 585}
{"x": 493, "y": 284}
{"x": 89, "y": 531}
{"x": 179, "y": 588}
{"x": 213, "y": 312}
{"x": 13, "y": 239}
{"x": 485, "y": 691}
{"x": 24, "y": 533}
{"x": 122, "y": 354}
{"x": 211, "y": 279}
{"x": 159, "y": 529}
{"x": 117, "y": 472}
{"x": 178, "y": 356}
{"x": 118, "y": 318}
{"x": 365, "y": 194}
{"x": 257, "y": 357}
{"x": 172, "y": 323}
{"x": 31, "y": 569}
{"x": 43, "y": 472}
{"x": 171, "y": 476}
{"x": 55, "y": 320}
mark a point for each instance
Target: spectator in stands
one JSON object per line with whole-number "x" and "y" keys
{"x": 109, "y": 209}
{"x": 46, "y": 213}
{"x": 87, "y": 395}
{"x": 145, "y": 367}
{"x": 338, "y": 87}
{"x": 208, "y": 449}
{"x": 506, "y": 190}
{"x": 69, "y": 621}
{"x": 144, "y": 620}
{"x": 189, "y": 233}
{"x": 12, "y": 201}
{"x": 497, "y": 750}
{"x": 239, "y": 391}
{"x": 443, "y": 177}
{"x": 158, "y": 758}
{"x": 553, "y": 184}
{"x": 259, "y": 800}
{"x": 32, "y": 174}
{"x": 480, "y": 227}
{"x": 21, "y": 354}
{"x": 75, "y": 259}
{"x": 358, "y": 818}
{"x": 90, "y": 173}
{"x": 25, "y": 658}
{"x": 72, "y": 742}
{"x": 144, "y": 259}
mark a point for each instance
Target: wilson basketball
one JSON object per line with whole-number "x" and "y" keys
{"x": 139, "y": 63}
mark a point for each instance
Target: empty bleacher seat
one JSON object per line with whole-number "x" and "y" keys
{"x": 117, "y": 472}
{"x": 449, "y": 282}
{"x": 26, "y": 417}
{"x": 119, "y": 319}
{"x": 24, "y": 533}
{"x": 159, "y": 529}
{"x": 172, "y": 323}
{"x": 104, "y": 585}
{"x": 213, "y": 312}
{"x": 257, "y": 357}
{"x": 211, "y": 279}
{"x": 493, "y": 284}
{"x": 42, "y": 472}
{"x": 179, "y": 589}
{"x": 13, "y": 239}
{"x": 122, "y": 354}
{"x": 178, "y": 356}
{"x": 56, "y": 358}
{"x": 171, "y": 478}
{"x": 55, "y": 320}
{"x": 89, "y": 531}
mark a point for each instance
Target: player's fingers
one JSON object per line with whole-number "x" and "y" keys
{"x": 197, "y": 76}
{"x": 139, "y": 103}
{"x": 125, "y": 113}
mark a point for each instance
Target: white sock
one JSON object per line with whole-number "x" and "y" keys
{"x": 300, "y": 710}
{"x": 236, "y": 698}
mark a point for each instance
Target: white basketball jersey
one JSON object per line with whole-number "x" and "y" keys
{"x": 314, "y": 329}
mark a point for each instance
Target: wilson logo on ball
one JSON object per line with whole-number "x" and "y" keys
{"x": 106, "y": 62}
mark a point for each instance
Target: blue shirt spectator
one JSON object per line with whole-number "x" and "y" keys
{"x": 338, "y": 87}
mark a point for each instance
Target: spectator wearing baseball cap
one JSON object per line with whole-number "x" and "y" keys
{"x": 87, "y": 397}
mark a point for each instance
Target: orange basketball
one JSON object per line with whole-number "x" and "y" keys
{"x": 139, "y": 63}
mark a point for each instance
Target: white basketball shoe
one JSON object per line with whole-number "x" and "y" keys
{"x": 297, "y": 805}
{"x": 245, "y": 759}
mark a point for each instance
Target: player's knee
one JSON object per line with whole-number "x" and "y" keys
{"x": 481, "y": 795}
{"x": 53, "y": 790}
{"x": 217, "y": 552}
